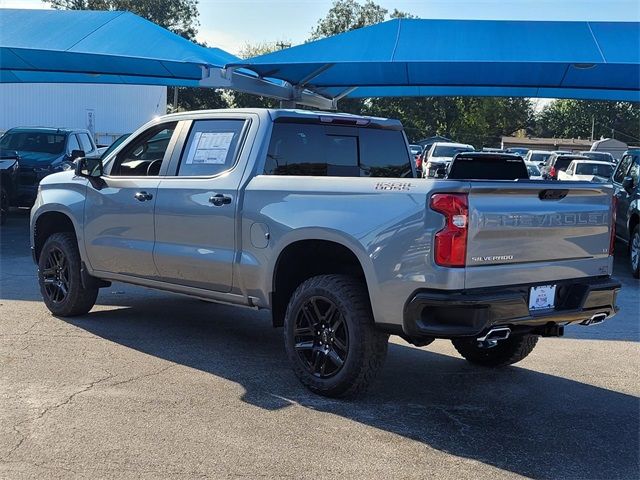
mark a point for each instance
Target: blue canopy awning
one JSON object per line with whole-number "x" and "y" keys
{"x": 80, "y": 46}
{"x": 412, "y": 57}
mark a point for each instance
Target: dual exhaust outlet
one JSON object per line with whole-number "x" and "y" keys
{"x": 502, "y": 333}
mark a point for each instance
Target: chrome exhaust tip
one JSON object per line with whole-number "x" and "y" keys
{"x": 495, "y": 334}
{"x": 595, "y": 320}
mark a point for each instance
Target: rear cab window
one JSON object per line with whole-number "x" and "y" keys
{"x": 479, "y": 168}
{"x": 311, "y": 149}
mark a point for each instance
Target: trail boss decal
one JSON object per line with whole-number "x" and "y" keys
{"x": 395, "y": 186}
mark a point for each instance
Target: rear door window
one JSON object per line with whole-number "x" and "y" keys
{"x": 321, "y": 150}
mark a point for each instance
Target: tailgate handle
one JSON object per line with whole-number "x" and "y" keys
{"x": 552, "y": 194}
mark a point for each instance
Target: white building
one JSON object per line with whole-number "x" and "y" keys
{"x": 611, "y": 145}
{"x": 106, "y": 110}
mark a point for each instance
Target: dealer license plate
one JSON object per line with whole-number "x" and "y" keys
{"x": 542, "y": 297}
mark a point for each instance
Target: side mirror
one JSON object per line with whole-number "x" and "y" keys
{"x": 77, "y": 154}
{"x": 627, "y": 184}
{"x": 89, "y": 167}
{"x": 441, "y": 172}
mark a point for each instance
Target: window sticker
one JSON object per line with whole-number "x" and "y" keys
{"x": 209, "y": 148}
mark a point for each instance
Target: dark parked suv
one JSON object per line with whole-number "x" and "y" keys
{"x": 625, "y": 180}
{"x": 557, "y": 162}
{"x": 43, "y": 151}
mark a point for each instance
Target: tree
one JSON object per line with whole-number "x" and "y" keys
{"x": 179, "y": 16}
{"x": 575, "y": 118}
{"x": 347, "y": 15}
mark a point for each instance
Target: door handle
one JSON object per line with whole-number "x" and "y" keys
{"x": 219, "y": 199}
{"x": 143, "y": 196}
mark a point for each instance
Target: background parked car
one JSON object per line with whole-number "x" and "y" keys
{"x": 487, "y": 166}
{"x": 586, "y": 170}
{"x": 440, "y": 156}
{"x": 522, "y": 151}
{"x": 8, "y": 180}
{"x": 43, "y": 151}
{"x": 416, "y": 151}
{"x": 534, "y": 170}
{"x": 558, "y": 162}
{"x": 626, "y": 181}
{"x": 600, "y": 156}
{"x": 538, "y": 157}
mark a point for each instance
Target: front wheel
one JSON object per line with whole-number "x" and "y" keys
{"x": 59, "y": 277}
{"x": 330, "y": 337}
{"x": 503, "y": 353}
{"x": 634, "y": 252}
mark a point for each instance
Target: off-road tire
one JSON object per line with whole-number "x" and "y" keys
{"x": 634, "y": 243}
{"x": 79, "y": 299}
{"x": 506, "y": 352}
{"x": 367, "y": 347}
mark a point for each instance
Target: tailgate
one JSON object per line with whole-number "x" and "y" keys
{"x": 536, "y": 232}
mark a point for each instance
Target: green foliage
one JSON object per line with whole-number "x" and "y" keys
{"x": 345, "y": 15}
{"x": 573, "y": 119}
{"x": 179, "y": 16}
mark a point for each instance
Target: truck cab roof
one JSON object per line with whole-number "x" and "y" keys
{"x": 281, "y": 114}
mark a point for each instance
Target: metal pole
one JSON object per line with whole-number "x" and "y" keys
{"x": 593, "y": 125}
{"x": 175, "y": 99}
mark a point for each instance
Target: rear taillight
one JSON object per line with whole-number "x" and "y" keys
{"x": 418, "y": 162}
{"x": 552, "y": 171}
{"x": 450, "y": 246}
{"x": 614, "y": 210}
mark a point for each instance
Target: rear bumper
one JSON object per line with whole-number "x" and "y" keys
{"x": 443, "y": 314}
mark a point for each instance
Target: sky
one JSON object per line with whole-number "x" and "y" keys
{"x": 232, "y": 24}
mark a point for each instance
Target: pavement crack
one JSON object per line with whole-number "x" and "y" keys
{"x": 66, "y": 401}
{"x": 140, "y": 377}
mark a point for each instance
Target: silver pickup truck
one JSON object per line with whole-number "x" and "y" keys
{"x": 319, "y": 218}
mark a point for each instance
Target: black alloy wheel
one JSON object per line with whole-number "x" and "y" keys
{"x": 56, "y": 276}
{"x": 321, "y": 337}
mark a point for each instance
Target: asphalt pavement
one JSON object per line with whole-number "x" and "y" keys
{"x": 153, "y": 385}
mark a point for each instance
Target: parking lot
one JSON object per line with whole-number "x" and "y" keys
{"x": 152, "y": 385}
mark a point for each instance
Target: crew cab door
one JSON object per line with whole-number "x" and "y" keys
{"x": 118, "y": 219}
{"x": 197, "y": 204}
{"x": 627, "y": 166}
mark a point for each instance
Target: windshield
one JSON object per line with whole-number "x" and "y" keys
{"x": 533, "y": 170}
{"x": 415, "y": 149}
{"x": 562, "y": 163}
{"x": 449, "y": 151}
{"x": 114, "y": 145}
{"x": 34, "y": 142}
{"x": 594, "y": 169}
{"x": 602, "y": 156}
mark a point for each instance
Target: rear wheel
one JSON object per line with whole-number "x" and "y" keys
{"x": 634, "y": 251}
{"x": 330, "y": 337}
{"x": 503, "y": 353}
{"x": 59, "y": 277}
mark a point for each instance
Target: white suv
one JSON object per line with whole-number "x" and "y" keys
{"x": 440, "y": 156}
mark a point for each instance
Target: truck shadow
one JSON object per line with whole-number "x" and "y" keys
{"x": 530, "y": 423}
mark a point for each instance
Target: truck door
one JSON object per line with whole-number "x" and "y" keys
{"x": 197, "y": 204}
{"x": 119, "y": 226}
